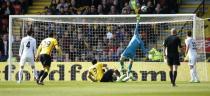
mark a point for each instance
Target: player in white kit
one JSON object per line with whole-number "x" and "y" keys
{"x": 27, "y": 52}
{"x": 192, "y": 55}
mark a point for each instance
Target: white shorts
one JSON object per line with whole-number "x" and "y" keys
{"x": 23, "y": 60}
{"x": 192, "y": 60}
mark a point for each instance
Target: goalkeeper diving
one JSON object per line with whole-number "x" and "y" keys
{"x": 130, "y": 51}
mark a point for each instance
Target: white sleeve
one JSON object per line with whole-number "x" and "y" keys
{"x": 21, "y": 48}
{"x": 186, "y": 42}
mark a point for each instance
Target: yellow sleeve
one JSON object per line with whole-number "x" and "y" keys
{"x": 55, "y": 42}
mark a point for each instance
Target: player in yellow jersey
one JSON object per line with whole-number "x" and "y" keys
{"x": 44, "y": 54}
{"x": 97, "y": 73}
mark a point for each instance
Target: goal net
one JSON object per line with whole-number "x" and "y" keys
{"x": 104, "y": 37}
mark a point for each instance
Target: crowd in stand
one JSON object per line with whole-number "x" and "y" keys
{"x": 84, "y": 7}
{"x": 94, "y": 7}
{"x": 9, "y": 7}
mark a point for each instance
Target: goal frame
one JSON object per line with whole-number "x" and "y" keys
{"x": 89, "y": 16}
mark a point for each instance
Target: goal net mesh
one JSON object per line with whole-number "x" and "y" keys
{"x": 104, "y": 37}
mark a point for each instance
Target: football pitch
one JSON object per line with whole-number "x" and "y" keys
{"x": 76, "y": 88}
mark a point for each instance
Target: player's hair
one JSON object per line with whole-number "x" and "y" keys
{"x": 173, "y": 31}
{"x": 117, "y": 72}
{"x": 94, "y": 61}
{"x": 51, "y": 34}
{"x": 30, "y": 32}
{"x": 189, "y": 33}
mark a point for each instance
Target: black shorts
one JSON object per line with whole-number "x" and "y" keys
{"x": 173, "y": 60}
{"x": 108, "y": 76}
{"x": 45, "y": 60}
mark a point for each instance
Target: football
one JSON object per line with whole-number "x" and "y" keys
{"x": 143, "y": 8}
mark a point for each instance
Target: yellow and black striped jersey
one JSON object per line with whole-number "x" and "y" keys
{"x": 47, "y": 45}
{"x": 97, "y": 71}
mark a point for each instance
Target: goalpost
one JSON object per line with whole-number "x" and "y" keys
{"x": 83, "y": 37}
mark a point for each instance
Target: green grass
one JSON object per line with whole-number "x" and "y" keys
{"x": 73, "y": 88}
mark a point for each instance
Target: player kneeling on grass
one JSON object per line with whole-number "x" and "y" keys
{"x": 44, "y": 52}
{"x": 96, "y": 73}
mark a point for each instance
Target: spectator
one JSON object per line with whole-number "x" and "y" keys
{"x": 53, "y": 3}
{"x": 53, "y": 9}
{"x": 72, "y": 53}
{"x": 24, "y": 5}
{"x": 1, "y": 49}
{"x": 92, "y": 10}
{"x": 105, "y": 7}
{"x": 120, "y": 34}
{"x": 150, "y": 7}
{"x": 61, "y": 11}
{"x": 63, "y": 4}
{"x": 9, "y": 9}
{"x": 17, "y": 8}
{"x": 113, "y": 10}
{"x": 120, "y": 49}
{"x": 158, "y": 9}
{"x": 5, "y": 46}
{"x": 100, "y": 9}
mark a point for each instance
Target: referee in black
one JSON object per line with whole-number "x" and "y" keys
{"x": 171, "y": 54}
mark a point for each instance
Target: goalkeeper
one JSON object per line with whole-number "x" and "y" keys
{"x": 130, "y": 51}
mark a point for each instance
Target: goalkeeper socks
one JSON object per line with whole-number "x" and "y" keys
{"x": 175, "y": 74}
{"x": 122, "y": 64}
{"x": 129, "y": 68}
{"x": 171, "y": 76}
{"x": 40, "y": 74}
{"x": 44, "y": 76}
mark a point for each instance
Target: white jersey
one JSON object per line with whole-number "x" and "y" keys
{"x": 27, "y": 47}
{"x": 192, "y": 47}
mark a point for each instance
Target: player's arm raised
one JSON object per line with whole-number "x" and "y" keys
{"x": 136, "y": 31}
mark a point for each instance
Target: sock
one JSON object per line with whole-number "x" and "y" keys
{"x": 175, "y": 74}
{"x": 195, "y": 74}
{"x": 20, "y": 74}
{"x": 40, "y": 74}
{"x": 171, "y": 76}
{"x": 35, "y": 73}
{"x": 122, "y": 77}
{"x": 122, "y": 64}
{"x": 44, "y": 76}
{"x": 129, "y": 68}
{"x": 192, "y": 75}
